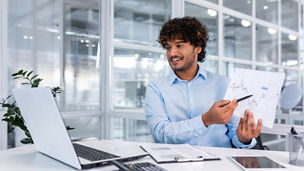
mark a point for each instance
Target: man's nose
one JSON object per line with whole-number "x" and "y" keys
{"x": 173, "y": 51}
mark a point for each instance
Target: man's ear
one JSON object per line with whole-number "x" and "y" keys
{"x": 198, "y": 49}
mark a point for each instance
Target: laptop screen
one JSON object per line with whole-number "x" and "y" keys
{"x": 44, "y": 121}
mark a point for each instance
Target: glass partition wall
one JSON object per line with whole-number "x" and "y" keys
{"x": 260, "y": 35}
{"x": 59, "y": 40}
{"x": 104, "y": 76}
{"x": 137, "y": 58}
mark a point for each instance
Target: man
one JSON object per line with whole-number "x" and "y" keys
{"x": 187, "y": 106}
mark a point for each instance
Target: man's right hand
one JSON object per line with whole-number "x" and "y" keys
{"x": 220, "y": 112}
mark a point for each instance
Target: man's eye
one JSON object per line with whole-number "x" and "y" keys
{"x": 179, "y": 46}
{"x": 167, "y": 48}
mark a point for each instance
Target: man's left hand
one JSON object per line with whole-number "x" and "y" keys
{"x": 247, "y": 129}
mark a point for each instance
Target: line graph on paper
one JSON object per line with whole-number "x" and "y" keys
{"x": 238, "y": 86}
{"x": 265, "y": 88}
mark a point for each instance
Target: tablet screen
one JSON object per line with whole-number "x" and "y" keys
{"x": 256, "y": 162}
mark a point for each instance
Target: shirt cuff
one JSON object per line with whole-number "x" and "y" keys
{"x": 197, "y": 122}
{"x": 237, "y": 143}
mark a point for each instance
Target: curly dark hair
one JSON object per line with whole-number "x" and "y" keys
{"x": 188, "y": 29}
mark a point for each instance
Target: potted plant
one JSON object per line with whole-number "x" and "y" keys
{"x": 13, "y": 115}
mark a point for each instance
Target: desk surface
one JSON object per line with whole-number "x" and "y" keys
{"x": 27, "y": 158}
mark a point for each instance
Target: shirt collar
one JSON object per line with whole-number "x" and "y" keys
{"x": 200, "y": 73}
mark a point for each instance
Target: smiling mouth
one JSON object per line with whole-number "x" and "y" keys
{"x": 175, "y": 59}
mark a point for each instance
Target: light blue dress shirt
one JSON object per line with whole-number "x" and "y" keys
{"x": 174, "y": 107}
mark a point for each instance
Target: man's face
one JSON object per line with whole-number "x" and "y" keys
{"x": 181, "y": 55}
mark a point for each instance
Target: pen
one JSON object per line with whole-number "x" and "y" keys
{"x": 239, "y": 100}
{"x": 191, "y": 159}
{"x": 120, "y": 165}
{"x": 243, "y": 98}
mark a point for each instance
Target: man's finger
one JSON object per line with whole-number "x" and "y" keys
{"x": 259, "y": 127}
{"x": 231, "y": 106}
{"x": 234, "y": 104}
{"x": 246, "y": 116}
{"x": 227, "y": 108}
{"x": 222, "y": 103}
{"x": 241, "y": 123}
{"x": 251, "y": 120}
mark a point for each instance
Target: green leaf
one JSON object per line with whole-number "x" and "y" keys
{"x": 54, "y": 94}
{"x": 24, "y": 73}
{"x": 20, "y": 72}
{"x": 15, "y": 74}
{"x": 22, "y": 126}
{"x": 29, "y": 74}
{"x": 8, "y": 97}
{"x": 69, "y": 128}
{"x": 6, "y": 105}
{"x": 6, "y": 115}
{"x": 25, "y": 83}
{"x": 27, "y": 133}
{"x": 27, "y": 141}
{"x": 36, "y": 82}
{"x": 5, "y": 119}
{"x": 34, "y": 77}
{"x": 57, "y": 89}
{"x": 16, "y": 78}
{"x": 10, "y": 112}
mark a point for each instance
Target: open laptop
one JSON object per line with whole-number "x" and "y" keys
{"x": 44, "y": 121}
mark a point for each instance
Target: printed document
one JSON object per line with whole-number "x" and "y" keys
{"x": 167, "y": 153}
{"x": 265, "y": 88}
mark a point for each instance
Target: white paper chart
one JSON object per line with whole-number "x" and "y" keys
{"x": 265, "y": 88}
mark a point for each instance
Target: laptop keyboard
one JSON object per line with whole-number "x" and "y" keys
{"x": 144, "y": 166}
{"x": 91, "y": 153}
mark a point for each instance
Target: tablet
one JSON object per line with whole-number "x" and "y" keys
{"x": 256, "y": 163}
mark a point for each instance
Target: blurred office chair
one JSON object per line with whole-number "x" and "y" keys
{"x": 259, "y": 145}
{"x": 290, "y": 96}
{"x": 291, "y": 103}
{"x": 135, "y": 91}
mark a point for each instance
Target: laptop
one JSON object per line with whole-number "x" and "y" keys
{"x": 44, "y": 121}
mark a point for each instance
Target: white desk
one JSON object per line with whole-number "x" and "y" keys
{"x": 27, "y": 158}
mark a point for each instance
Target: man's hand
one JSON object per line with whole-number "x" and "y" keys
{"x": 247, "y": 129}
{"x": 220, "y": 112}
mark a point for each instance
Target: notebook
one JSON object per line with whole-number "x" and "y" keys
{"x": 176, "y": 153}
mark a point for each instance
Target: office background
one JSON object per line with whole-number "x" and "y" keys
{"x": 104, "y": 52}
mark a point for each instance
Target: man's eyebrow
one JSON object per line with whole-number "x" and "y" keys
{"x": 182, "y": 41}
